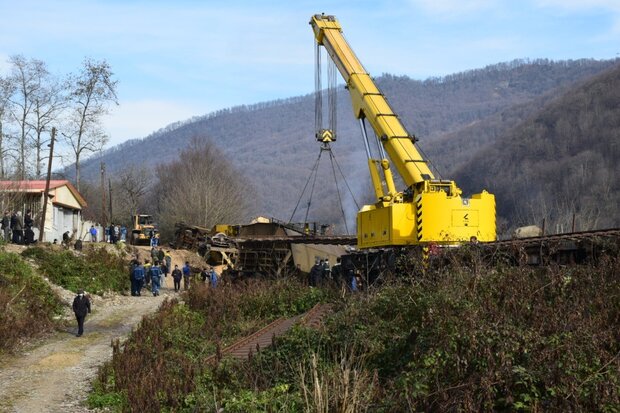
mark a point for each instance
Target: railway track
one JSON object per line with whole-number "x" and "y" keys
{"x": 351, "y": 240}
{"x": 265, "y": 254}
{"x": 569, "y": 248}
{"x": 263, "y": 338}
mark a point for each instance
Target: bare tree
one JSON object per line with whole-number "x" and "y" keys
{"x": 201, "y": 188}
{"x": 48, "y": 102}
{"x": 6, "y": 90}
{"x": 26, "y": 75}
{"x": 90, "y": 93}
{"x": 133, "y": 185}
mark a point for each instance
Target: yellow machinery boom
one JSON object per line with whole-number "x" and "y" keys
{"x": 428, "y": 210}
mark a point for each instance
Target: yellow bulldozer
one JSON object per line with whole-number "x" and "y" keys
{"x": 143, "y": 230}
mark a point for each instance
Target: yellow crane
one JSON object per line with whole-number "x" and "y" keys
{"x": 428, "y": 210}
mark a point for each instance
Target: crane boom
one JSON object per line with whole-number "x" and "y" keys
{"x": 428, "y": 210}
{"x": 369, "y": 103}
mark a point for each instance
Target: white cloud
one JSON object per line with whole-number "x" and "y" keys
{"x": 138, "y": 118}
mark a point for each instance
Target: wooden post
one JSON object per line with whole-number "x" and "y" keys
{"x": 47, "y": 186}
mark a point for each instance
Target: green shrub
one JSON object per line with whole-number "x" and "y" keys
{"x": 96, "y": 271}
{"x": 166, "y": 354}
{"x": 514, "y": 338}
{"x": 466, "y": 337}
{"x": 29, "y": 306}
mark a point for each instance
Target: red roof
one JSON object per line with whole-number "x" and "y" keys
{"x": 39, "y": 186}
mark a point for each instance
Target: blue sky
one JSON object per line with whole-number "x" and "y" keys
{"x": 183, "y": 58}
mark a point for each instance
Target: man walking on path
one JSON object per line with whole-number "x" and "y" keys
{"x": 137, "y": 278}
{"x": 176, "y": 277}
{"x": 81, "y": 307}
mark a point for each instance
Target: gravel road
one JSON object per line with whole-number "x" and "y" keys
{"x": 54, "y": 375}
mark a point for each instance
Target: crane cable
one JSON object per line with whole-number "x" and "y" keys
{"x": 332, "y": 96}
{"x": 345, "y": 181}
{"x": 344, "y": 217}
{"x": 316, "y": 173}
{"x": 312, "y": 172}
{"x": 318, "y": 94}
{"x": 313, "y": 177}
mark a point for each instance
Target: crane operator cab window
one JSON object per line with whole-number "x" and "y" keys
{"x": 443, "y": 187}
{"x": 408, "y": 194}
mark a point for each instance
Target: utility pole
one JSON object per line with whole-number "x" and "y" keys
{"x": 110, "y": 188}
{"x": 103, "y": 197}
{"x": 47, "y": 186}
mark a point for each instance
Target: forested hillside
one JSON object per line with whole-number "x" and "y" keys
{"x": 560, "y": 161}
{"x": 273, "y": 143}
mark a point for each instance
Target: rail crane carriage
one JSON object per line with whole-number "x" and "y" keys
{"x": 429, "y": 210}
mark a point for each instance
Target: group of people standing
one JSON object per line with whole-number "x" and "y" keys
{"x": 118, "y": 233}
{"x": 115, "y": 233}
{"x": 146, "y": 275}
{"x": 321, "y": 273}
{"x": 18, "y": 230}
{"x": 152, "y": 274}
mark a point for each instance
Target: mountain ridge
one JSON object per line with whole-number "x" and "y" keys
{"x": 272, "y": 143}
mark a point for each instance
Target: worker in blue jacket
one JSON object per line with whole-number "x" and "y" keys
{"x": 187, "y": 272}
{"x": 155, "y": 279}
{"x": 137, "y": 279}
{"x": 213, "y": 277}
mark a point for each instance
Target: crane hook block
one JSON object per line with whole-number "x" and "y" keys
{"x": 326, "y": 135}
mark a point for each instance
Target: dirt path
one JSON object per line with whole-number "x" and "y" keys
{"x": 55, "y": 375}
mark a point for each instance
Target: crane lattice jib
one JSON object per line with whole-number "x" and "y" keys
{"x": 369, "y": 102}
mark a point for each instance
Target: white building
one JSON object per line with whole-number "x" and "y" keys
{"x": 64, "y": 206}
